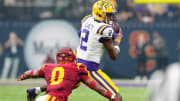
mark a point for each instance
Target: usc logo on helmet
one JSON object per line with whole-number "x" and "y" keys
{"x": 101, "y": 8}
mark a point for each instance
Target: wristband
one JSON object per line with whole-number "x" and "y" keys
{"x": 117, "y": 47}
{"x": 31, "y": 73}
{"x": 93, "y": 83}
{"x": 118, "y": 40}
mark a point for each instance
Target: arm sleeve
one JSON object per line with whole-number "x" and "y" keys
{"x": 41, "y": 71}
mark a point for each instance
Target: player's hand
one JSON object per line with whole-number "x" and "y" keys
{"x": 114, "y": 99}
{"x": 23, "y": 76}
{"x": 117, "y": 98}
{"x": 118, "y": 34}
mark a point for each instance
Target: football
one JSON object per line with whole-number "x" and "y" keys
{"x": 116, "y": 27}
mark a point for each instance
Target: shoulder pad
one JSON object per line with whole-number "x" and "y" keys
{"x": 105, "y": 31}
{"x": 86, "y": 17}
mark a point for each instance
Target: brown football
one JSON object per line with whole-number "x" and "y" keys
{"x": 116, "y": 27}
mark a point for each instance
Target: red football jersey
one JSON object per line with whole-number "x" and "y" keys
{"x": 61, "y": 79}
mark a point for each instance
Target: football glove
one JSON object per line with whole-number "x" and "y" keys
{"x": 116, "y": 98}
{"x": 117, "y": 34}
{"x": 117, "y": 37}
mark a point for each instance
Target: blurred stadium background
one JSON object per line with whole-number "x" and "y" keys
{"x": 44, "y": 26}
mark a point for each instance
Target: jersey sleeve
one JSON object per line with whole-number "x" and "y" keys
{"x": 105, "y": 31}
{"x": 41, "y": 71}
{"x": 85, "y": 18}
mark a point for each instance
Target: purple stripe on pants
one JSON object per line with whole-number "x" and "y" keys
{"x": 105, "y": 82}
{"x": 96, "y": 79}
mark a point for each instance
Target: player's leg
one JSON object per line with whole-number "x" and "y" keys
{"x": 33, "y": 92}
{"x": 43, "y": 98}
{"x": 104, "y": 80}
{"x": 49, "y": 97}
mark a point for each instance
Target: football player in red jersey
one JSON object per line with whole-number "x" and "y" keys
{"x": 62, "y": 78}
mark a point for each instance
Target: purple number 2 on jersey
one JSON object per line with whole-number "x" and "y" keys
{"x": 84, "y": 39}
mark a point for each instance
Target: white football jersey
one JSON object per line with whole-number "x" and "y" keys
{"x": 91, "y": 48}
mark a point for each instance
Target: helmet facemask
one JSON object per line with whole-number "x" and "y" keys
{"x": 66, "y": 55}
{"x": 109, "y": 18}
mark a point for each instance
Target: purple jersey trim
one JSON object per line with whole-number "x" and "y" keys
{"x": 85, "y": 18}
{"x": 91, "y": 66}
{"x": 105, "y": 82}
{"x": 101, "y": 40}
{"x": 104, "y": 29}
{"x": 99, "y": 29}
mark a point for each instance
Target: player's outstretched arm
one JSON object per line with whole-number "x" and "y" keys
{"x": 29, "y": 74}
{"x": 98, "y": 88}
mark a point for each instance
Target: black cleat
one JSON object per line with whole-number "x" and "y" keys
{"x": 31, "y": 94}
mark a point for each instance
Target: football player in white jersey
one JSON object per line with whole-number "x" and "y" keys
{"x": 96, "y": 34}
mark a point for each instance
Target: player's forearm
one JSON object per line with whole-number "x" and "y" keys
{"x": 102, "y": 91}
{"x": 113, "y": 50}
{"x": 113, "y": 53}
{"x": 29, "y": 74}
{"x": 98, "y": 88}
{"x": 117, "y": 42}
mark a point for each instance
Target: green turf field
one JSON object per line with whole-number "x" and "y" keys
{"x": 17, "y": 93}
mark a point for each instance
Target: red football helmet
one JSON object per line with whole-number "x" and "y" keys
{"x": 65, "y": 55}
